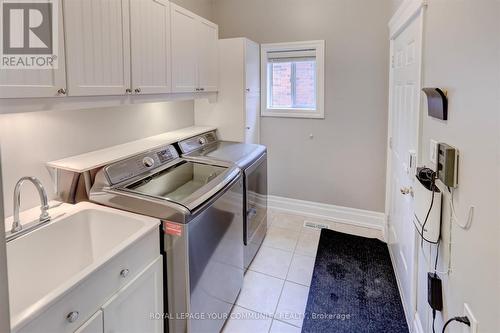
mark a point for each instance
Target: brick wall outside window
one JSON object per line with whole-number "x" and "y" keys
{"x": 305, "y": 89}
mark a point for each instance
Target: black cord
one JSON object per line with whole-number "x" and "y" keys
{"x": 437, "y": 256}
{"x": 433, "y": 320}
{"x": 463, "y": 320}
{"x": 433, "y": 181}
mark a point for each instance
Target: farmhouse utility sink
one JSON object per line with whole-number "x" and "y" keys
{"x": 46, "y": 263}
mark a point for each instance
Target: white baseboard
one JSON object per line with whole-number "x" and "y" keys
{"x": 352, "y": 216}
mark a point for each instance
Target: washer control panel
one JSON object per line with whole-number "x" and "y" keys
{"x": 196, "y": 142}
{"x": 137, "y": 165}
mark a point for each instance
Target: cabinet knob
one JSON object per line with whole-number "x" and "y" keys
{"x": 197, "y": 89}
{"x": 124, "y": 273}
{"x": 137, "y": 90}
{"x": 61, "y": 91}
{"x": 128, "y": 91}
{"x": 247, "y": 89}
{"x": 248, "y": 127}
{"x": 202, "y": 89}
{"x": 72, "y": 316}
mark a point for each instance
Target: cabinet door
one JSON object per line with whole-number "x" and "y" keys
{"x": 208, "y": 56}
{"x": 130, "y": 309}
{"x": 150, "y": 40}
{"x": 252, "y": 118}
{"x": 97, "y": 47}
{"x": 21, "y": 83}
{"x": 184, "y": 32}
{"x": 252, "y": 66}
{"x": 93, "y": 325}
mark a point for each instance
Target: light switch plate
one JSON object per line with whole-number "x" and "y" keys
{"x": 433, "y": 152}
{"x": 473, "y": 321}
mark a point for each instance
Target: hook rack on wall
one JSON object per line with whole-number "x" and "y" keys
{"x": 437, "y": 103}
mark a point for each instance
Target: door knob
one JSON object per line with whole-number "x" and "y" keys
{"x": 406, "y": 190}
{"x": 61, "y": 91}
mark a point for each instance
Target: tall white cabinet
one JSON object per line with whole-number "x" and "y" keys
{"x": 237, "y": 111}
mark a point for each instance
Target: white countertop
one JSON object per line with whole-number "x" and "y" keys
{"x": 99, "y": 158}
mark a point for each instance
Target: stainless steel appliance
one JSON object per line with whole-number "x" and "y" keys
{"x": 252, "y": 159}
{"x": 200, "y": 205}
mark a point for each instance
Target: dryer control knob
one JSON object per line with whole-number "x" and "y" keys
{"x": 202, "y": 141}
{"x": 148, "y": 162}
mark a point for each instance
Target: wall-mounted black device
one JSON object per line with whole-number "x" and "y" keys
{"x": 434, "y": 292}
{"x": 448, "y": 165}
{"x": 437, "y": 103}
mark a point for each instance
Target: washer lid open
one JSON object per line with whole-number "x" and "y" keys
{"x": 186, "y": 183}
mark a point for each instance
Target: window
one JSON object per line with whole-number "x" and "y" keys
{"x": 292, "y": 82}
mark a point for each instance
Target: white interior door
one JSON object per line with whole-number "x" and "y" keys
{"x": 405, "y": 96}
{"x": 97, "y": 47}
{"x": 150, "y": 41}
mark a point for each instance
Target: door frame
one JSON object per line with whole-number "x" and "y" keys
{"x": 408, "y": 11}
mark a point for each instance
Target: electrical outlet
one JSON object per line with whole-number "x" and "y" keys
{"x": 473, "y": 321}
{"x": 433, "y": 152}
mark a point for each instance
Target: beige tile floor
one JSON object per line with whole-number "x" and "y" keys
{"x": 276, "y": 286}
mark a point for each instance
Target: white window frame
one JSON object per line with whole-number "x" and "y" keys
{"x": 319, "y": 111}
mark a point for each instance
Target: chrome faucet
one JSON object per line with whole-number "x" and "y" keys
{"x": 44, "y": 215}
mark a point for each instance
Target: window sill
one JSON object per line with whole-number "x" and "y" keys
{"x": 293, "y": 113}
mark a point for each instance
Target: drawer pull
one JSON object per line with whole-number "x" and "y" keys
{"x": 72, "y": 316}
{"x": 124, "y": 273}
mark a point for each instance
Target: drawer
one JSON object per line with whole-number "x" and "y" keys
{"x": 90, "y": 294}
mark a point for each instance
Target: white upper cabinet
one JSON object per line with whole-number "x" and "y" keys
{"x": 194, "y": 52}
{"x": 18, "y": 83}
{"x": 123, "y": 47}
{"x": 150, "y": 42}
{"x": 252, "y": 67}
{"x": 97, "y": 47}
{"x": 184, "y": 67}
{"x": 208, "y": 35}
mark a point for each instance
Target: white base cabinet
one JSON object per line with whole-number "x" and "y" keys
{"x": 237, "y": 111}
{"x": 118, "y": 297}
{"x": 93, "y": 325}
{"x": 135, "y": 307}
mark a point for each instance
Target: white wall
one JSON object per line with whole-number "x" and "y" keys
{"x": 462, "y": 55}
{"x": 200, "y": 7}
{"x": 29, "y": 140}
{"x": 4, "y": 290}
{"x": 344, "y": 164}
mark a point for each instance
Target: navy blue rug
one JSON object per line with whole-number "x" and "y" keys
{"x": 353, "y": 288}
